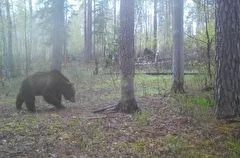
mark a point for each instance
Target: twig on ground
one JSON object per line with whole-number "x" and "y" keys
{"x": 111, "y": 107}
{"x": 89, "y": 118}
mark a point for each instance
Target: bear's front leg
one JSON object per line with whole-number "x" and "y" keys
{"x": 31, "y": 105}
{"x": 54, "y": 100}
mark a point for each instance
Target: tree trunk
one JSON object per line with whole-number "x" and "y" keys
{"x": 115, "y": 23}
{"x": 16, "y": 48}
{"x": 128, "y": 103}
{"x": 65, "y": 41}
{"x": 26, "y": 39}
{"x": 209, "y": 43}
{"x": 4, "y": 41}
{"x": 85, "y": 26}
{"x": 227, "y": 91}
{"x": 10, "y": 64}
{"x": 155, "y": 27}
{"x": 30, "y": 33}
{"x": 94, "y": 42}
{"x": 58, "y": 34}
{"x": 178, "y": 59}
{"x": 88, "y": 51}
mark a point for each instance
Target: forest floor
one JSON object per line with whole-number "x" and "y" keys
{"x": 167, "y": 126}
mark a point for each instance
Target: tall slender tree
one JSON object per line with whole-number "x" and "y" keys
{"x": 30, "y": 32}
{"x": 85, "y": 26}
{"x": 227, "y": 90}
{"x": 10, "y": 64}
{"x": 88, "y": 44}
{"x": 178, "y": 58}
{"x": 3, "y": 37}
{"x": 155, "y": 27}
{"x": 58, "y": 34}
{"x": 128, "y": 103}
{"x": 26, "y": 38}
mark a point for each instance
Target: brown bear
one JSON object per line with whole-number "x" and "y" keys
{"x": 51, "y": 85}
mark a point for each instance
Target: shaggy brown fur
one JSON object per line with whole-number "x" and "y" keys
{"x": 51, "y": 85}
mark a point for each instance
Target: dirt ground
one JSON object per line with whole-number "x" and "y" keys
{"x": 164, "y": 128}
{"x": 161, "y": 130}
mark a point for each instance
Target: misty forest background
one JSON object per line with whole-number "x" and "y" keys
{"x": 30, "y": 25}
{"x": 176, "y": 60}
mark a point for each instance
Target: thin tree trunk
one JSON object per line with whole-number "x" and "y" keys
{"x": 115, "y": 23}
{"x": 26, "y": 39}
{"x": 16, "y": 42}
{"x": 209, "y": 43}
{"x": 4, "y": 41}
{"x": 155, "y": 27}
{"x": 94, "y": 41}
{"x": 128, "y": 103}
{"x": 65, "y": 43}
{"x": 85, "y": 26}
{"x": 178, "y": 59}
{"x": 10, "y": 64}
{"x": 30, "y": 34}
{"x": 166, "y": 25}
{"x": 88, "y": 52}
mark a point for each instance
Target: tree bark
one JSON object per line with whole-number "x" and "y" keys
{"x": 30, "y": 33}
{"x": 10, "y": 64}
{"x": 4, "y": 40}
{"x": 26, "y": 39}
{"x": 58, "y": 34}
{"x": 178, "y": 58}
{"x": 94, "y": 42}
{"x": 88, "y": 50}
{"x": 227, "y": 91}
{"x": 128, "y": 103}
{"x": 155, "y": 27}
{"x": 85, "y": 26}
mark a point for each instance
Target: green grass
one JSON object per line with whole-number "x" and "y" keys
{"x": 141, "y": 117}
{"x": 234, "y": 147}
{"x": 204, "y": 101}
{"x": 194, "y": 81}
